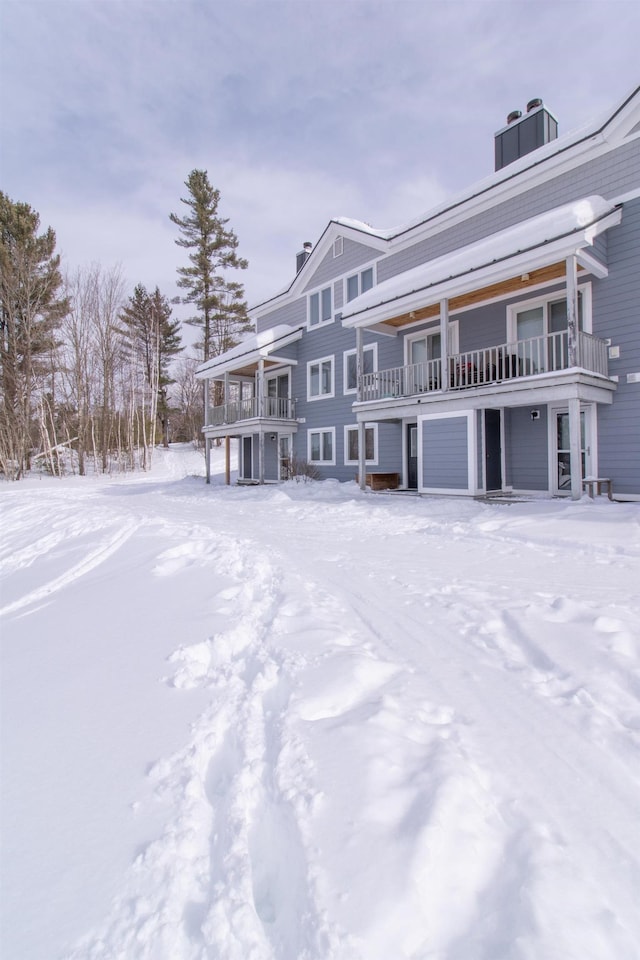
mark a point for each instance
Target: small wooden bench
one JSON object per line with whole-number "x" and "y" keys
{"x": 381, "y": 481}
{"x": 589, "y": 483}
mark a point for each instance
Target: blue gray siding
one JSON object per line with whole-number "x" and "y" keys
{"x": 527, "y": 449}
{"x": 610, "y": 175}
{"x": 333, "y": 340}
{"x": 616, "y": 314}
{"x": 353, "y": 255}
{"x": 294, "y": 314}
{"x": 445, "y": 463}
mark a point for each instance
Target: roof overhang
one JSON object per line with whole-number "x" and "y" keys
{"x": 536, "y": 249}
{"x": 243, "y": 359}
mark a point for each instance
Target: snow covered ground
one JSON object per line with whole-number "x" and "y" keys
{"x": 308, "y": 723}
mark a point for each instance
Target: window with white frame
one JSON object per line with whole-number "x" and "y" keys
{"x": 369, "y": 365}
{"x": 320, "y": 378}
{"x": 423, "y": 352}
{"x": 359, "y": 283}
{"x": 320, "y": 307}
{"x": 338, "y": 246}
{"x": 321, "y": 446}
{"x": 539, "y": 328}
{"x": 351, "y": 444}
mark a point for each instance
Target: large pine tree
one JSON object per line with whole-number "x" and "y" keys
{"x": 151, "y": 339}
{"x": 31, "y": 312}
{"x": 221, "y": 310}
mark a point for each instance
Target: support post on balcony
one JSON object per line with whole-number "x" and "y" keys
{"x": 572, "y": 312}
{"x": 227, "y": 460}
{"x": 444, "y": 344}
{"x": 362, "y": 456}
{"x": 359, "y": 363}
{"x": 260, "y": 387}
{"x": 207, "y": 442}
{"x": 225, "y": 397}
{"x": 575, "y": 449}
{"x": 261, "y": 454}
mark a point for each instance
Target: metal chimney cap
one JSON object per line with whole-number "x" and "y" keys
{"x": 514, "y": 115}
{"x": 307, "y": 245}
{"x": 533, "y": 104}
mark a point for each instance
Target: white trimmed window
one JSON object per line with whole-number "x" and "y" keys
{"x": 321, "y": 446}
{"x": 539, "y": 318}
{"x": 338, "y": 246}
{"x": 539, "y": 328}
{"x": 370, "y": 444}
{"x": 359, "y": 283}
{"x": 369, "y": 364}
{"x": 320, "y": 378}
{"x": 320, "y": 307}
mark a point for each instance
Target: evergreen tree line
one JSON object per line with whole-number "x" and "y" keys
{"x": 93, "y": 379}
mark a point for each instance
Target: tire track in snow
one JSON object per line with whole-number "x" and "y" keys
{"x": 92, "y": 560}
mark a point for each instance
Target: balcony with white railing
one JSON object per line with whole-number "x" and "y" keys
{"x": 489, "y": 365}
{"x": 251, "y": 408}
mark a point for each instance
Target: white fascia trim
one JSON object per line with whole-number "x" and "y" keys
{"x": 535, "y": 168}
{"x": 218, "y": 366}
{"x": 336, "y": 227}
{"x": 281, "y": 361}
{"x": 483, "y": 276}
{"x": 592, "y": 265}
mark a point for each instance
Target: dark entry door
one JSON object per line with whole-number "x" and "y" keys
{"x": 412, "y": 456}
{"x": 247, "y": 445}
{"x": 492, "y": 450}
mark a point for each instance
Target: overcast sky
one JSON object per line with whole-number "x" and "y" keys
{"x": 300, "y": 110}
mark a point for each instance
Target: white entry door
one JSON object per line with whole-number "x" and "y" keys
{"x": 562, "y": 450}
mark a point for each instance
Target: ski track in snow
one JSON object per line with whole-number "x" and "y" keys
{"x": 363, "y": 783}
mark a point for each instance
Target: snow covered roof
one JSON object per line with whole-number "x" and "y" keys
{"x": 592, "y": 135}
{"x": 525, "y": 246}
{"x": 252, "y": 348}
{"x": 598, "y": 127}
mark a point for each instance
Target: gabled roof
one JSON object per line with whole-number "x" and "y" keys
{"x": 255, "y": 347}
{"x": 337, "y": 227}
{"x": 549, "y": 237}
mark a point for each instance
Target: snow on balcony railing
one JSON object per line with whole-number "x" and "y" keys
{"x": 508, "y": 361}
{"x": 271, "y": 408}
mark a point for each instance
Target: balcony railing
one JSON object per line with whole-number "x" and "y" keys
{"x": 271, "y": 408}
{"x": 508, "y": 361}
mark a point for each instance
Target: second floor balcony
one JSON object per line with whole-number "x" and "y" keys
{"x": 251, "y": 408}
{"x": 487, "y": 366}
